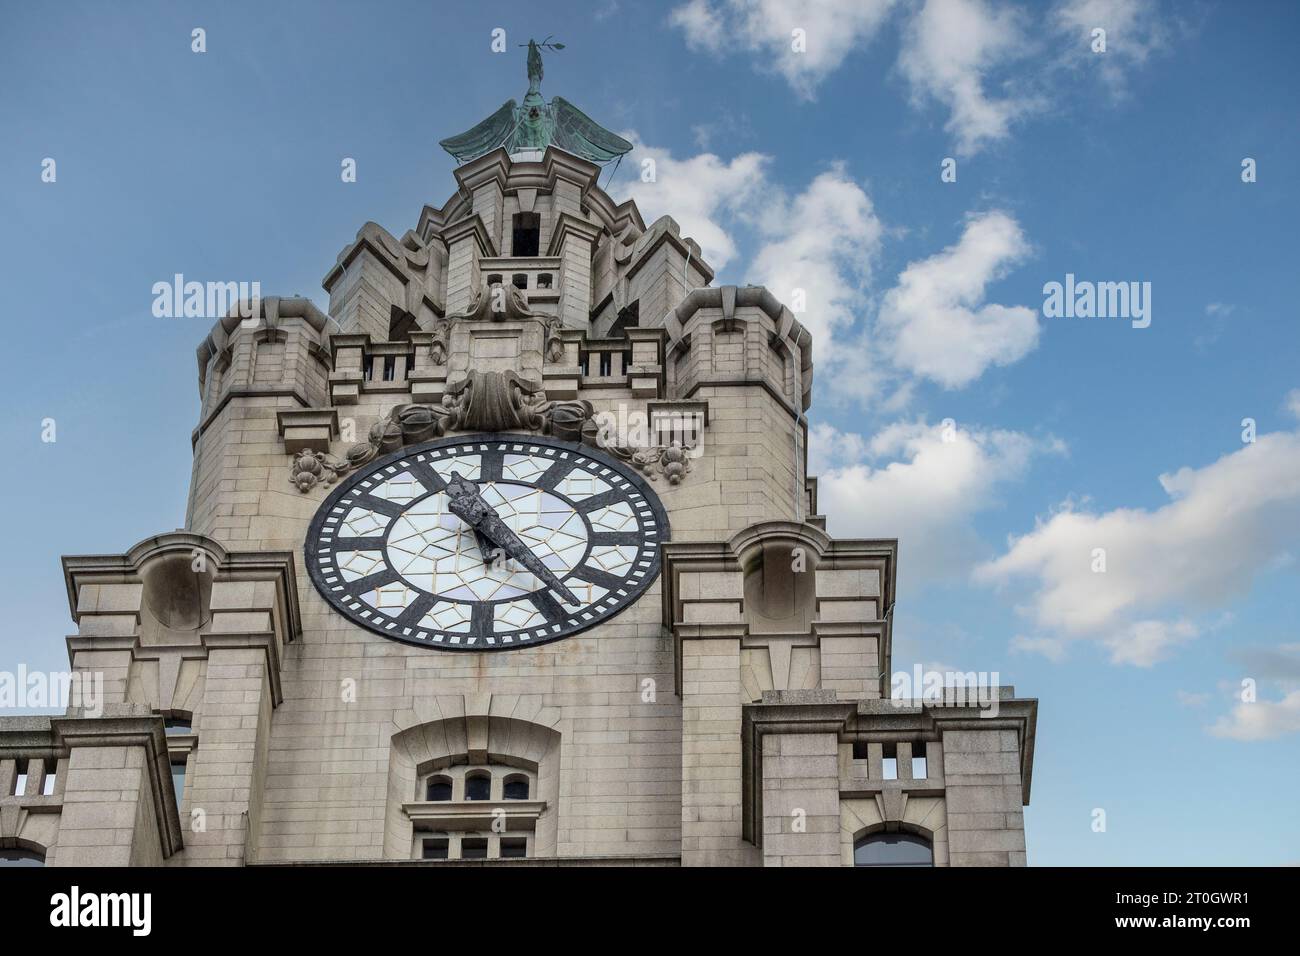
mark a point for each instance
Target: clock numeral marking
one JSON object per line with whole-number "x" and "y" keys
{"x": 548, "y": 607}
{"x": 597, "y": 576}
{"x": 600, "y": 538}
{"x": 382, "y": 505}
{"x": 358, "y": 544}
{"x": 373, "y": 581}
{"x": 416, "y": 610}
{"x": 602, "y": 500}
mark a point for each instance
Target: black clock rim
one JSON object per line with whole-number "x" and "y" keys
{"x": 347, "y": 483}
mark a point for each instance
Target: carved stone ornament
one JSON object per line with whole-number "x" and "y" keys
{"x": 488, "y": 402}
{"x": 498, "y": 302}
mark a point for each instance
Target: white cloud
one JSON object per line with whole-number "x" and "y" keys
{"x": 1145, "y": 643}
{"x": 824, "y": 241}
{"x": 831, "y": 30}
{"x": 1224, "y": 524}
{"x": 1133, "y": 28}
{"x": 907, "y": 482}
{"x": 1190, "y": 699}
{"x": 1261, "y": 720}
{"x": 950, "y": 49}
{"x": 935, "y": 323}
{"x": 697, "y": 192}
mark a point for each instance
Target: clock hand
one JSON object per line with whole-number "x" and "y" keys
{"x": 466, "y": 503}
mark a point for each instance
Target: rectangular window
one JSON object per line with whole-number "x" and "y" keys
{"x": 860, "y": 750}
{"x": 51, "y": 777}
{"x": 526, "y": 236}
{"x": 919, "y": 769}
{"x": 889, "y": 766}
{"x": 20, "y": 781}
{"x": 178, "y": 777}
{"x": 473, "y": 848}
{"x": 435, "y": 849}
{"x": 514, "y": 848}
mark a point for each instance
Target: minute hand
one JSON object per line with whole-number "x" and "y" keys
{"x": 496, "y": 531}
{"x": 464, "y": 501}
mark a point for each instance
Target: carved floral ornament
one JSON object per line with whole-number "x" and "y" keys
{"x": 488, "y": 402}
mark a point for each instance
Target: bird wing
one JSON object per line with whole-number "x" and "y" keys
{"x": 578, "y": 133}
{"x": 487, "y": 135}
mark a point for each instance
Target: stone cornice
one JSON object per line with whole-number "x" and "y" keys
{"x": 134, "y": 731}
{"x": 234, "y": 393}
{"x": 471, "y": 227}
{"x": 566, "y": 225}
{"x": 488, "y": 168}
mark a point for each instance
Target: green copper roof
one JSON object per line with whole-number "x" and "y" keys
{"x": 538, "y": 124}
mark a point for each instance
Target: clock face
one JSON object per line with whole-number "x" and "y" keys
{"x": 486, "y": 542}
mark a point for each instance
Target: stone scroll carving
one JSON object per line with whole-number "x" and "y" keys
{"x": 488, "y": 402}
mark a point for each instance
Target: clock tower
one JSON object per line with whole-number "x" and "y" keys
{"x": 509, "y": 553}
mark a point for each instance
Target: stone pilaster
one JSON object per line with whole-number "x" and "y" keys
{"x": 573, "y": 240}
{"x": 119, "y": 807}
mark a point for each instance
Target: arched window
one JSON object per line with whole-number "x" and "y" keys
{"x": 439, "y": 788}
{"x": 515, "y": 788}
{"x": 478, "y": 786}
{"x": 17, "y": 857}
{"x": 893, "y": 849}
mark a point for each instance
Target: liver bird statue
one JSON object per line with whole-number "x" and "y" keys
{"x": 538, "y": 124}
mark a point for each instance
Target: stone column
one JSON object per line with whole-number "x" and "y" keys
{"x": 467, "y": 241}
{"x": 801, "y": 799}
{"x": 712, "y": 821}
{"x": 986, "y": 823}
{"x": 224, "y": 781}
{"x": 574, "y": 241}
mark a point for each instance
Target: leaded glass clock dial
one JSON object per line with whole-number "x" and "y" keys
{"x": 487, "y": 542}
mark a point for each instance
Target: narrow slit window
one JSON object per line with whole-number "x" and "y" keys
{"x": 606, "y": 364}
{"x": 390, "y": 367}
{"x": 889, "y": 765}
{"x": 50, "y": 778}
{"x": 20, "y": 781}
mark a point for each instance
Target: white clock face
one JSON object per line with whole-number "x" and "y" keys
{"x": 577, "y": 540}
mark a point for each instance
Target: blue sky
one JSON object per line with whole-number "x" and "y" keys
{"x": 817, "y": 170}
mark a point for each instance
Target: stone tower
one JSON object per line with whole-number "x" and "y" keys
{"x": 731, "y": 709}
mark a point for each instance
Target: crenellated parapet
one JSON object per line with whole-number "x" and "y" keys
{"x": 732, "y": 336}
{"x": 283, "y": 348}
{"x": 379, "y": 282}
